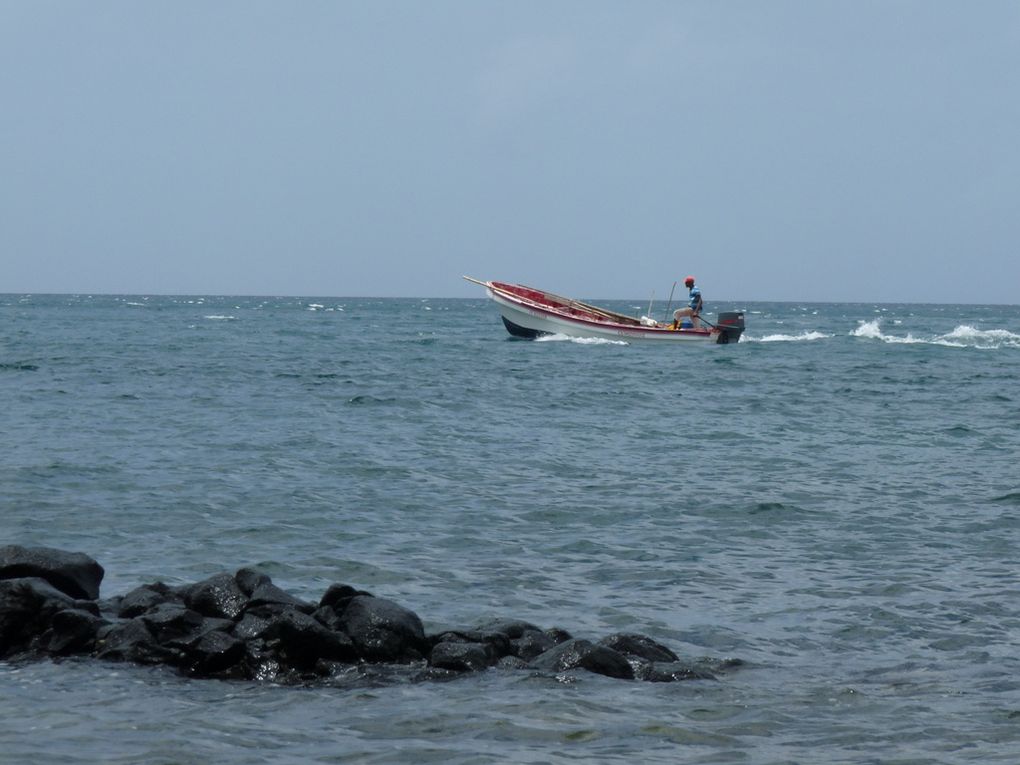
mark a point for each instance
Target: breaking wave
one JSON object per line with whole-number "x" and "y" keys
{"x": 963, "y": 336}
{"x": 780, "y": 338}
{"x": 558, "y": 338}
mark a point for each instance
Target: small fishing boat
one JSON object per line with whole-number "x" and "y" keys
{"x": 529, "y": 312}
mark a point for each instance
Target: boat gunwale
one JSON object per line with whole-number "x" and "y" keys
{"x": 551, "y": 310}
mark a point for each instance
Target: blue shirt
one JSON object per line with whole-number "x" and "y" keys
{"x": 695, "y": 299}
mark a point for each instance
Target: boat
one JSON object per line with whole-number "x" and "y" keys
{"x": 529, "y": 313}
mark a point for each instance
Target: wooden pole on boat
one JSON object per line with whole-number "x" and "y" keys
{"x": 668, "y": 305}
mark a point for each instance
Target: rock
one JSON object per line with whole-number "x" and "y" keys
{"x": 383, "y": 630}
{"x": 460, "y": 657}
{"x": 640, "y": 646}
{"x": 668, "y": 672}
{"x": 512, "y": 663}
{"x": 73, "y": 631}
{"x": 132, "y": 641}
{"x": 268, "y": 594}
{"x": 512, "y": 628}
{"x": 300, "y": 641}
{"x": 242, "y": 626}
{"x": 74, "y": 574}
{"x": 531, "y": 645}
{"x": 219, "y": 596}
{"x": 146, "y": 597}
{"x": 496, "y": 644}
{"x": 248, "y": 579}
{"x": 27, "y": 607}
{"x": 526, "y": 640}
{"x": 214, "y": 652}
{"x": 170, "y": 623}
{"x": 578, "y": 653}
{"x": 339, "y": 595}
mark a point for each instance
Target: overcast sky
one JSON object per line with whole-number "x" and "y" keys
{"x": 810, "y": 151}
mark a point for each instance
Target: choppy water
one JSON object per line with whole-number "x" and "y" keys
{"x": 835, "y": 500}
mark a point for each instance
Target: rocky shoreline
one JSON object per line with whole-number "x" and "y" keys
{"x": 242, "y": 626}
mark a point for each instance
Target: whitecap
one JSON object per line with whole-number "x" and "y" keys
{"x": 803, "y": 336}
{"x": 559, "y": 338}
{"x": 963, "y": 336}
{"x": 220, "y": 318}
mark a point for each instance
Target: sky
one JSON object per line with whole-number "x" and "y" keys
{"x": 844, "y": 150}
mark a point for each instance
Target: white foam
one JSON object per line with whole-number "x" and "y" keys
{"x": 963, "y": 336}
{"x": 558, "y": 338}
{"x": 221, "y": 318}
{"x": 803, "y": 336}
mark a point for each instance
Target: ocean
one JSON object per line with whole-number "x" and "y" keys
{"x": 834, "y": 501}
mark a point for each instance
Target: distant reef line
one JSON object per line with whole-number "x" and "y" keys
{"x": 241, "y": 626}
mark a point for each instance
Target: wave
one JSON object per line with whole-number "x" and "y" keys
{"x": 963, "y": 336}
{"x": 221, "y": 318}
{"x": 558, "y": 338}
{"x": 780, "y": 338}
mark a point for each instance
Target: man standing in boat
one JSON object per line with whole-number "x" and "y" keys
{"x": 693, "y": 305}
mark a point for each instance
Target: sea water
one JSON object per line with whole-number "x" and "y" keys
{"x": 835, "y": 501}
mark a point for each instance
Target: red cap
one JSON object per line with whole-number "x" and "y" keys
{"x": 689, "y": 281}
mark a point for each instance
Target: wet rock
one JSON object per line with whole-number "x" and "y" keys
{"x": 27, "y": 607}
{"x": 300, "y": 641}
{"x": 169, "y": 622}
{"x": 668, "y": 672}
{"x": 248, "y": 579}
{"x": 215, "y": 652}
{"x": 578, "y": 653}
{"x": 144, "y": 598}
{"x": 74, "y": 574}
{"x": 640, "y": 646}
{"x": 72, "y": 632}
{"x": 339, "y": 595}
{"x": 242, "y": 626}
{"x": 268, "y": 594}
{"x": 218, "y": 596}
{"x": 384, "y": 631}
{"x": 495, "y": 644}
{"x": 460, "y": 657}
{"x": 132, "y": 641}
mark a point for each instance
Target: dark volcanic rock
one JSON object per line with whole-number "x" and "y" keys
{"x": 242, "y": 626}
{"x": 250, "y": 578}
{"x": 144, "y": 598}
{"x": 496, "y": 644}
{"x": 301, "y": 641}
{"x": 75, "y": 574}
{"x": 132, "y": 641}
{"x": 460, "y": 657}
{"x": 215, "y": 653}
{"x": 219, "y": 596}
{"x": 667, "y": 672}
{"x": 339, "y": 595}
{"x": 27, "y": 607}
{"x": 577, "y": 653}
{"x": 170, "y": 622}
{"x": 383, "y": 630}
{"x": 640, "y": 646}
{"x": 72, "y": 631}
{"x": 268, "y": 594}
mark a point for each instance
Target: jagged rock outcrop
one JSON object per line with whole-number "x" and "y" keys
{"x": 242, "y": 626}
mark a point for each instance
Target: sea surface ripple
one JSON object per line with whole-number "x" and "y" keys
{"x": 835, "y": 500}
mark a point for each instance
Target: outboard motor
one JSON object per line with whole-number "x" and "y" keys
{"x": 731, "y": 326}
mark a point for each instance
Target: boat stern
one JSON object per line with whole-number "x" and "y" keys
{"x": 731, "y": 327}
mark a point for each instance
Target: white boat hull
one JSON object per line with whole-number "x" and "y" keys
{"x": 540, "y": 321}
